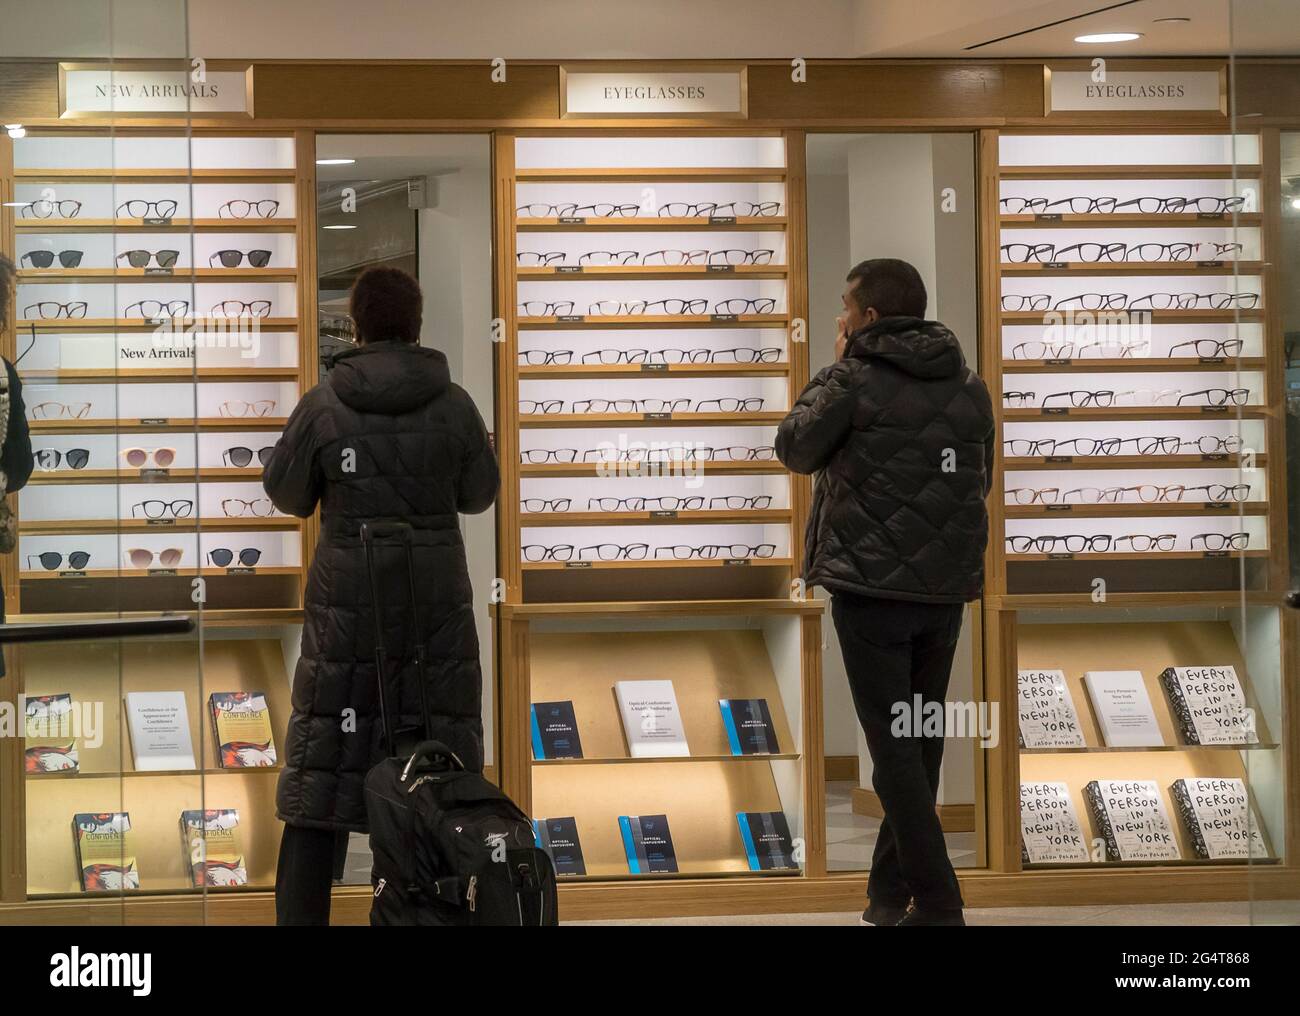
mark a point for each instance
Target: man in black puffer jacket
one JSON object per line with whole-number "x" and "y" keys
{"x": 387, "y": 437}
{"x": 901, "y": 432}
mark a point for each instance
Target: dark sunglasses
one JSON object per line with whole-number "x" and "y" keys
{"x": 234, "y": 258}
{"x": 52, "y": 560}
{"x": 45, "y": 258}
{"x": 141, "y": 258}
{"x": 49, "y": 458}
{"x": 240, "y": 456}
{"x": 223, "y": 556}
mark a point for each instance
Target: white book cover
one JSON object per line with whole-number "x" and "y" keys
{"x": 1216, "y": 812}
{"x": 1132, "y": 819}
{"x": 651, "y": 719}
{"x": 1123, "y": 708}
{"x": 1210, "y": 704}
{"x": 1047, "y": 716}
{"x": 160, "y": 730}
{"x": 1049, "y": 828}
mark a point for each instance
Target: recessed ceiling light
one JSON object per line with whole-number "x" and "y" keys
{"x": 335, "y": 162}
{"x": 1102, "y": 37}
{"x": 1173, "y": 21}
{"x": 338, "y": 226}
{"x": 1295, "y": 202}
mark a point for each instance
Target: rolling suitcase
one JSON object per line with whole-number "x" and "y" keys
{"x": 449, "y": 848}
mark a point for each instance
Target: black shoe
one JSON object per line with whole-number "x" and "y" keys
{"x": 920, "y": 916}
{"x": 882, "y": 914}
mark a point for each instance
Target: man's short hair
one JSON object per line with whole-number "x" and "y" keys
{"x": 6, "y": 284}
{"x": 387, "y": 304}
{"x": 892, "y": 286}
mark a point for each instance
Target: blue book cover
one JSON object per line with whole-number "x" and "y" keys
{"x": 559, "y": 838}
{"x": 749, "y": 726}
{"x": 648, "y": 844}
{"x": 555, "y": 731}
{"x": 766, "y": 836}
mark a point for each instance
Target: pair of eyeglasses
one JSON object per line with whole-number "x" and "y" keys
{"x": 1208, "y": 349}
{"x": 672, "y": 453}
{"x": 1188, "y": 301}
{"x": 716, "y": 210}
{"x": 240, "y": 209}
{"x": 601, "y": 210}
{"x": 1070, "y": 544}
{"x": 141, "y": 209}
{"x": 141, "y": 258}
{"x": 263, "y": 407}
{"x": 1071, "y": 351}
{"x": 50, "y": 458}
{"x": 42, "y": 209}
{"x": 540, "y": 504}
{"x": 223, "y": 557}
{"x": 142, "y": 557}
{"x": 713, "y": 551}
{"x": 240, "y": 457}
{"x": 154, "y": 309}
{"x": 1218, "y": 396}
{"x": 52, "y": 560}
{"x": 155, "y": 509}
{"x": 535, "y": 552}
{"x": 138, "y": 458}
{"x": 1086, "y": 446}
{"x": 1106, "y": 398}
{"x": 1220, "y": 541}
{"x": 237, "y": 507}
{"x": 234, "y": 258}
{"x": 50, "y": 309}
{"x": 60, "y": 410}
{"x": 241, "y": 308}
{"x": 45, "y": 258}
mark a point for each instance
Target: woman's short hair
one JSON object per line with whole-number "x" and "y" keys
{"x": 387, "y": 304}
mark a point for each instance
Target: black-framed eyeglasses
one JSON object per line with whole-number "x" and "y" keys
{"x": 1022, "y": 302}
{"x": 141, "y": 258}
{"x": 152, "y": 309}
{"x": 1220, "y": 541}
{"x": 52, "y": 560}
{"x": 234, "y": 258}
{"x": 544, "y": 211}
{"x": 50, "y": 458}
{"x": 614, "y": 552}
{"x": 529, "y": 407}
{"x": 1093, "y": 301}
{"x": 1213, "y": 444}
{"x": 238, "y": 208}
{"x": 540, "y": 504}
{"x": 241, "y": 308}
{"x": 1218, "y": 493}
{"x": 545, "y": 357}
{"x": 543, "y": 308}
{"x": 1081, "y": 398}
{"x": 155, "y": 509}
{"x": 539, "y": 258}
{"x": 1082, "y": 205}
{"x": 538, "y": 456}
{"x": 1208, "y": 349}
{"x": 604, "y": 210}
{"x": 1019, "y": 398}
{"x": 607, "y": 257}
{"x": 611, "y": 357}
{"x": 1143, "y": 543}
{"x": 138, "y": 208}
{"x": 1073, "y": 543}
{"x": 241, "y": 457}
{"x": 631, "y": 405}
{"x": 44, "y": 209}
{"x": 536, "y": 552}
{"x": 741, "y": 502}
{"x": 222, "y": 557}
{"x": 736, "y": 256}
{"x": 714, "y": 551}
{"x": 45, "y": 258}
{"x": 754, "y": 404}
{"x": 49, "y": 309}
{"x": 1218, "y": 396}
{"x": 736, "y": 305}
{"x": 1022, "y": 206}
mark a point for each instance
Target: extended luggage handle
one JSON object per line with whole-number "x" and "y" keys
{"x": 372, "y": 532}
{"x": 431, "y": 750}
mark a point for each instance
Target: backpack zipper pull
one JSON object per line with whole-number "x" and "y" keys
{"x": 472, "y": 892}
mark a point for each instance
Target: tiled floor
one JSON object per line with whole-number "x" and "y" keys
{"x": 850, "y": 838}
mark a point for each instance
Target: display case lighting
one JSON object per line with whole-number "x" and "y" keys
{"x": 1103, "y": 37}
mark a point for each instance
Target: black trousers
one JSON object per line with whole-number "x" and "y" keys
{"x": 310, "y": 860}
{"x": 895, "y": 650}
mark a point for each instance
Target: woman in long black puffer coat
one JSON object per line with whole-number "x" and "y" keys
{"x": 387, "y": 437}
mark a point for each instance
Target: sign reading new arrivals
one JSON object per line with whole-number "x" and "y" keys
{"x": 93, "y": 90}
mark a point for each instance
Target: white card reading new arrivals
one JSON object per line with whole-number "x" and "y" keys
{"x": 160, "y": 730}
{"x": 651, "y": 719}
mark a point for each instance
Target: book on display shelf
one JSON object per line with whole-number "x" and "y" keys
{"x": 1216, "y": 814}
{"x": 766, "y": 836}
{"x": 1049, "y": 828}
{"x": 105, "y": 856}
{"x": 748, "y": 723}
{"x": 210, "y": 841}
{"x": 49, "y": 744}
{"x": 652, "y": 723}
{"x": 1209, "y": 704}
{"x": 1123, "y": 709}
{"x": 242, "y": 722}
{"x": 555, "y": 731}
{"x": 1130, "y": 815}
{"x": 559, "y": 838}
{"x": 648, "y": 844}
{"x": 1047, "y": 715}
{"x": 160, "y": 730}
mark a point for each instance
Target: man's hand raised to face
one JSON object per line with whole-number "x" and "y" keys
{"x": 841, "y": 337}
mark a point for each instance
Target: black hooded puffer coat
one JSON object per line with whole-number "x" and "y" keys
{"x": 386, "y": 437}
{"x": 902, "y": 433}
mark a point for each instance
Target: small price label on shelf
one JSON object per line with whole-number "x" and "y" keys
{"x": 577, "y": 564}
{"x": 155, "y": 573}
{"x": 1059, "y": 363}
{"x": 568, "y": 318}
{"x": 1212, "y": 216}
{"x": 1216, "y": 553}
{"x": 656, "y": 416}
{"x": 1056, "y": 410}
{"x": 1217, "y": 506}
{"x": 155, "y": 473}
{"x": 1056, "y": 264}
{"x": 1060, "y": 557}
{"x": 72, "y": 574}
{"x": 1209, "y": 264}
{"x": 568, "y": 270}
{"x": 157, "y": 221}
{"x": 1058, "y": 458}
{"x": 1060, "y": 507}
{"x": 724, "y": 317}
{"x": 654, "y": 368}
{"x": 572, "y": 220}
{"x": 159, "y": 271}
{"x": 1214, "y": 409}
{"x": 1215, "y": 457}
{"x": 722, "y": 220}
{"x": 241, "y": 570}
{"x": 735, "y": 562}
{"x": 160, "y": 522}
{"x": 663, "y": 514}
{"x": 1210, "y": 359}
{"x": 1047, "y": 217}
{"x": 722, "y": 269}
{"x": 153, "y": 421}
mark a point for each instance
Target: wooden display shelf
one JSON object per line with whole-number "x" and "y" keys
{"x": 132, "y": 774}
{"x": 543, "y": 421}
{"x": 1133, "y": 365}
{"x": 1152, "y": 555}
{"x": 108, "y": 375}
{"x": 110, "y": 174}
{"x": 655, "y": 321}
{"x": 659, "y": 174}
{"x": 766, "y": 516}
{"x": 1131, "y": 510}
{"x": 1040, "y": 270}
{"x": 653, "y": 562}
{"x": 1156, "y": 317}
{"x": 1103, "y": 750}
{"x": 185, "y": 324}
{"x": 76, "y": 225}
{"x": 251, "y": 618}
{"x": 158, "y": 573}
{"x": 217, "y": 475}
{"x": 1172, "y": 171}
{"x": 27, "y": 275}
{"x": 658, "y": 760}
{"x": 1124, "y": 413}
{"x": 1113, "y": 220}
{"x": 656, "y": 224}
{"x": 110, "y": 526}
{"x": 594, "y": 469}
{"x": 636, "y": 370}
{"x": 1143, "y": 462}
{"x": 651, "y": 272}
{"x": 140, "y": 426}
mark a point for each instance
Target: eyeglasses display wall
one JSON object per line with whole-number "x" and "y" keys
{"x": 1135, "y": 365}
{"x": 649, "y": 364}
{"x": 157, "y": 339}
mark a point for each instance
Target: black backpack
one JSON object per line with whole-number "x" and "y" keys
{"x": 449, "y": 848}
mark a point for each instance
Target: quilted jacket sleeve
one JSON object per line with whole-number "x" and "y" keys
{"x": 479, "y": 478}
{"x": 821, "y": 418}
{"x": 293, "y": 478}
{"x": 17, "y": 454}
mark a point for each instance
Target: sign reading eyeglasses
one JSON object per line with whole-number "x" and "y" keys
{"x": 1101, "y": 89}
{"x": 90, "y": 90}
{"x": 714, "y": 90}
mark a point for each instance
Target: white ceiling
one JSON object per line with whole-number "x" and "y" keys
{"x": 629, "y": 29}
